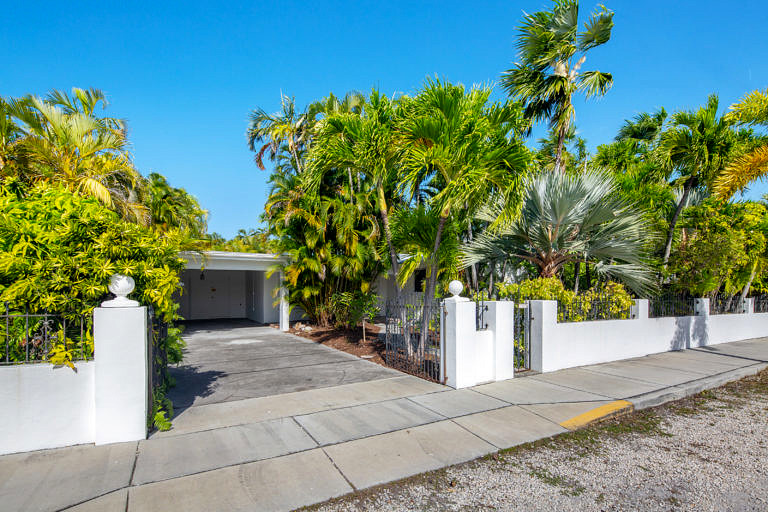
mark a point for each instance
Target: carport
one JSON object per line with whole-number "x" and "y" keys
{"x": 221, "y": 285}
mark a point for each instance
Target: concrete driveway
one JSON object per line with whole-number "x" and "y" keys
{"x": 239, "y": 359}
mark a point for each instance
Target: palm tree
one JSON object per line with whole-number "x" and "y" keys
{"x": 568, "y": 219}
{"x": 696, "y": 148}
{"x": 10, "y": 135}
{"x": 552, "y": 52}
{"x": 171, "y": 207}
{"x": 85, "y": 153}
{"x": 753, "y": 164}
{"x": 288, "y": 128}
{"x": 468, "y": 151}
{"x": 363, "y": 141}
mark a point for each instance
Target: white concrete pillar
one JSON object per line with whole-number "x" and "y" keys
{"x": 459, "y": 332}
{"x": 701, "y": 307}
{"x": 501, "y": 322}
{"x": 121, "y": 375}
{"x": 639, "y": 310}
{"x": 285, "y": 313}
{"x": 543, "y": 323}
{"x": 749, "y": 305}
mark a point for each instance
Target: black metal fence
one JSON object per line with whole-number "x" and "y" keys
{"x": 408, "y": 347}
{"x": 43, "y": 337}
{"x": 761, "y": 304}
{"x": 586, "y": 308}
{"x": 522, "y": 332}
{"x": 481, "y": 308}
{"x": 671, "y": 304}
{"x": 726, "y": 304}
{"x": 157, "y": 355}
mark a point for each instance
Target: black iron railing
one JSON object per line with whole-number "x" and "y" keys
{"x": 585, "y": 308}
{"x": 157, "y": 354}
{"x": 522, "y": 332}
{"x": 671, "y": 304}
{"x": 726, "y": 304}
{"x": 481, "y": 308}
{"x": 408, "y": 347}
{"x": 43, "y": 337}
{"x": 761, "y": 304}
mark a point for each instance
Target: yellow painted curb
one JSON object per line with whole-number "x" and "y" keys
{"x": 598, "y": 413}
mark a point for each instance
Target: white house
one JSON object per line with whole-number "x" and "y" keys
{"x": 230, "y": 285}
{"x": 220, "y": 285}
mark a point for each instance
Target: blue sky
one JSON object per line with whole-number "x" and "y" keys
{"x": 186, "y": 75}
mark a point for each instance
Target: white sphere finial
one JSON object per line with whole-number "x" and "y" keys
{"x": 455, "y": 287}
{"x": 121, "y": 286}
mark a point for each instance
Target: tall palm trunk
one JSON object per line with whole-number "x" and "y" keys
{"x": 429, "y": 291}
{"x": 576, "y": 271}
{"x": 473, "y": 267}
{"x": 672, "y": 223}
{"x": 559, "y": 149}
{"x": 745, "y": 291}
{"x": 388, "y": 235}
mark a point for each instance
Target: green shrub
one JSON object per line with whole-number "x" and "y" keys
{"x": 614, "y": 298}
{"x": 58, "y": 250}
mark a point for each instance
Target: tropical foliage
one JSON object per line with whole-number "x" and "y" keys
{"x": 552, "y": 52}
{"x": 58, "y": 250}
{"x": 440, "y": 182}
{"x": 571, "y": 219}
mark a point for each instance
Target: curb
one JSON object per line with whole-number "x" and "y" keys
{"x": 662, "y": 396}
{"x": 623, "y": 407}
{"x": 605, "y": 411}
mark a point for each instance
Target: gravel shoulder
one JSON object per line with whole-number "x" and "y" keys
{"x": 706, "y": 452}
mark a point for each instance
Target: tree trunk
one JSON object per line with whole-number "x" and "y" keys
{"x": 351, "y": 186}
{"x": 588, "y": 275}
{"x": 576, "y": 271}
{"x": 473, "y": 267}
{"x": 559, "y": 150}
{"x": 745, "y": 291}
{"x": 429, "y": 291}
{"x": 491, "y": 279}
{"x": 672, "y": 223}
{"x": 388, "y": 235}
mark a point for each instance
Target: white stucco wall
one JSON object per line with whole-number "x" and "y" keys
{"x": 46, "y": 407}
{"x": 474, "y": 356}
{"x": 555, "y": 346}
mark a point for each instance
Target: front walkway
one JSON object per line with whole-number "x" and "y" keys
{"x": 285, "y": 451}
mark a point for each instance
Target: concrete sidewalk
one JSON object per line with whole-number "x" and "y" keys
{"x": 286, "y": 451}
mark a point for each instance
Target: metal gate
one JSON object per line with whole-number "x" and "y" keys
{"x": 522, "y": 326}
{"x": 405, "y": 347}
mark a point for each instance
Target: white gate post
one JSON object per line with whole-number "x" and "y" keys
{"x": 121, "y": 375}
{"x": 501, "y": 321}
{"x": 543, "y": 324}
{"x": 459, "y": 328}
{"x": 285, "y": 314}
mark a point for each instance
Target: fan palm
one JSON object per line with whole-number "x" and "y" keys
{"x": 552, "y": 52}
{"x": 752, "y": 165}
{"x": 567, "y": 219}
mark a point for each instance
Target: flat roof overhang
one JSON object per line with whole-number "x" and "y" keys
{"x": 222, "y": 260}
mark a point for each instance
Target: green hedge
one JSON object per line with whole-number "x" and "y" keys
{"x": 614, "y": 298}
{"x": 58, "y": 250}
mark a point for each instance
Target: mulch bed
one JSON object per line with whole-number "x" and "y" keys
{"x": 347, "y": 340}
